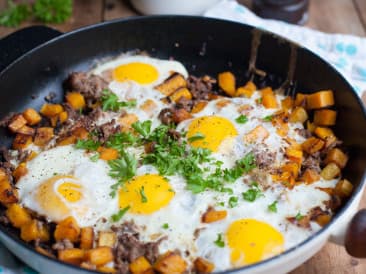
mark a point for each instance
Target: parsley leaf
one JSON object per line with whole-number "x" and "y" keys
{"x": 143, "y": 128}
{"x": 233, "y": 202}
{"x": 143, "y": 195}
{"x": 110, "y": 101}
{"x": 242, "y": 119}
{"x": 118, "y": 216}
{"x": 87, "y": 144}
{"x": 196, "y": 137}
{"x": 253, "y": 193}
{"x": 248, "y": 162}
{"x": 219, "y": 241}
{"x": 14, "y": 14}
{"x": 273, "y": 207}
{"x": 298, "y": 216}
{"x": 268, "y": 118}
{"x": 118, "y": 141}
{"x": 52, "y": 11}
{"x": 95, "y": 157}
{"x": 165, "y": 226}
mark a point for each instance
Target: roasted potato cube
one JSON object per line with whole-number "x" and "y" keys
{"x": 336, "y": 156}
{"x": 343, "y": 188}
{"x": 300, "y": 100}
{"x": 203, "y": 266}
{"x": 126, "y": 121}
{"x": 180, "y": 115}
{"x": 22, "y": 141}
{"x": 174, "y": 82}
{"x": 310, "y": 176}
{"x": 323, "y": 132}
{"x": 330, "y": 171}
{"x": 80, "y": 133}
{"x": 17, "y": 122}
{"x": 107, "y": 154}
{"x": 86, "y": 238}
{"x": 259, "y": 133}
{"x": 32, "y": 116}
{"x": 20, "y": 171}
{"x": 75, "y": 100}
{"x": 140, "y": 265}
{"x": 312, "y": 145}
{"x": 50, "y": 110}
{"x": 26, "y": 130}
{"x": 325, "y": 117}
{"x": 268, "y": 98}
{"x": 320, "y": 99}
{"x": 72, "y": 255}
{"x": 294, "y": 154}
{"x": 63, "y": 117}
{"x": 298, "y": 115}
{"x": 67, "y": 229}
{"x": 67, "y": 141}
{"x": 8, "y": 193}
{"x": 99, "y": 256}
{"x": 287, "y": 103}
{"x": 179, "y": 93}
{"x": 212, "y": 215}
{"x": 107, "y": 238}
{"x": 199, "y": 106}
{"x": 226, "y": 81}
{"x": 43, "y": 136}
{"x": 170, "y": 263}
{"x": 34, "y": 230}
{"x": 18, "y": 215}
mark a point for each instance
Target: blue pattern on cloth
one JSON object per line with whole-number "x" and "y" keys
{"x": 346, "y": 52}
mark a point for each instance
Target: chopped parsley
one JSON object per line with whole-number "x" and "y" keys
{"x": 273, "y": 207}
{"x": 233, "y": 201}
{"x": 196, "y": 137}
{"x": 87, "y": 144}
{"x": 253, "y": 193}
{"x": 245, "y": 165}
{"x": 95, "y": 157}
{"x": 242, "y": 119}
{"x": 119, "y": 140}
{"x": 118, "y": 216}
{"x": 219, "y": 241}
{"x": 268, "y": 118}
{"x": 110, "y": 101}
{"x": 165, "y": 226}
{"x": 298, "y": 216}
{"x": 143, "y": 195}
{"x": 143, "y": 128}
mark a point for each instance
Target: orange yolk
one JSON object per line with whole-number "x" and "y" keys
{"x": 139, "y": 72}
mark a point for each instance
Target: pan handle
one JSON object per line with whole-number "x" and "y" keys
{"x": 355, "y": 238}
{"x": 20, "y": 42}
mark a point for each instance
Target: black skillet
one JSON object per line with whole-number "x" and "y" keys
{"x": 204, "y": 46}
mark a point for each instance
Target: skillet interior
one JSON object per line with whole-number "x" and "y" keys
{"x": 204, "y": 46}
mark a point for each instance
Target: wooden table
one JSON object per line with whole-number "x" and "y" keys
{"x": 341, "y": 16}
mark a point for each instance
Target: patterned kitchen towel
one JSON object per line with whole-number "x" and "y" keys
{"x": 347, "y": 53}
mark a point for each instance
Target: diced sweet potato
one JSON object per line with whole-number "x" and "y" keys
{"x": 259, "y": 133}
{"x": 26, "y": 130}
{"x": 99, "y": 256}
{"x": 72, "y": 255}
{"x": 312, "y": 145}
{"x": 298, "y": 115}
{"x": 203, "y": 266}
{"x": 67, "y": 229}
{"x": 268, "y": 98}
{"x": 310, "y": 126}
{"x": 67, "y": 141}
{"x": 174, "y": 82}
{"x": 247, "y": 90}
{"x": 20, "y": 171}
{"x": 32, "y": 116}
{"x": 323, "y": 132}
{"x": 180, "y": 115}
{"x": 43, "y": 136}
{"x": 17, "y": 122}
{"x": 107, "y": 238}
{"x": 212, "y": 215}
{"x": 18, "y": 215}
{"x": 343, "y": 188}
{"x": 140, "y": 265}
{"x": 292, "y": 168}
{"x": 22, "y": 141}
{"x": 179, "y": 93}
{"x": 300, "y": 100}
{"x": 199, "y": 106}
{"x": 63, "y": 117}
{"x": 149, "y": 106}
{"x": 226, "y": 81}
{"x": 310, "y": 176}
{"x": 170, "y": 263}
{"x": 34, "y": 230}
{"x": 320, "y": 99}
{"x": 86, "y": 238}
{"x": 8, "y": 193}
{"x": 325, "y": 117}
{"x": 80, "y": 133}
{"x": 330, "y": 171}
{"x": 50, "y": 110}
{"x": 75, "y": 100}
{"x": 107, "y": 154}
{"x": 336, "y": 156}
{"x": 287, "y": 103}
{"x": 126, "y": 121}
{"x": 295, "y": 155}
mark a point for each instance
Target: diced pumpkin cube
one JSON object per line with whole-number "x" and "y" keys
{"x": 99, "y": 256}
{"x": 323, "y": 132}
{"x": 86, "y": 237}
{"x": 298, "y": 115}
{"x": 343, "y": 188}
{"x": 203, "y": 266}
{"x": 139, "y": 265}
{"x": 50, "y": 110}
{"x": 312, "y": 145}
{"x": 22, "y": 141}
{"x": 72, "y": 255}
{"x": 63, "y": 117}
{"x": 69, "y": 140}
{"x": 310, "y": 126}
{"x": 18, "y": 215}
{"x": 287, "y": 103}
{"x": 212, "y": 215}
{"x": 180, "y": 115}
{"x": 300, "y": 100}
{"x": 199, "y": 106}
{"x": 268, "y": 98}
{"x": 26, "y": 130}
{"x": 292, "y": 168}
{"x": 171, "y": 84}
{"x": 243, "y": 92}
{"x": 325, "y": 117}
{"x": 8, "y": 193}
{"x": 107, "y": 154}
{"x": 294, "y": 154}
{"x": 67, "y": 229}
{"x": 310, "y": 176}
{"x": 17, "y": 122}
{"x": 320, "y": 99}
{"x": 169, "y": 263}
{"x": 179, "y": 93}
{"x": 20, "y": 171}
{"x": 336, "y": 156}
{"x": 226, "y": 81}
{"x": 257, "y": 134}
{"x": 75, "y": 100}
{"x": 80, "y": 133}
{"x": 32, "y": 116}
{"x": 34, "y": 230}
{"x": 107, "y": 238}
{"x": 43, "y": 136}
{"x": 330, "y": 171}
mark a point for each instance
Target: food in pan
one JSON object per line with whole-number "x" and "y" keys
{"x": 145, "y": 168}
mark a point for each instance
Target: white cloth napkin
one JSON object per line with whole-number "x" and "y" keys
{"x": 347, "y": 53}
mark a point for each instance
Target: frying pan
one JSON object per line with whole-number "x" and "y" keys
{"x": 36, "y": 60}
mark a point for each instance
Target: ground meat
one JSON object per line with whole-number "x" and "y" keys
{"x": 265, "y": 158}
{"x": 166, "y": 116}
{"x": 200, "y": 87}
{"x": 64, "y": 244}
{"x": 91, "y": 86}
{"x": 185, "y": 104}
{"x": 303, "y": 132}
{"x": 312, "y": 163}
{"x": 109, "y": 129}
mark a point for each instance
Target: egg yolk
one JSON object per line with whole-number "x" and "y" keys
{"x": 55, "y": 194}
{"x": 251, "y": 241}
{"x": 145, "y": 194}
{"x": 210, "y": 131}
{"x": 139, "y": 72}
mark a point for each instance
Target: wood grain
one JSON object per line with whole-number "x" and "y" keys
{"x": 114, "y": 9}
{"x": 361, "y": 8}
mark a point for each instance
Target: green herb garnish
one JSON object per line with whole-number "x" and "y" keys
{"x": 118, "y": 216}
{"x": 143, "y": 128}
{"x": 273, "y": 207}
{"x": 233, "y": 201}
{"x": 52, "y": 11}
{"x": 95, "y": 157}
{"x": 242, "y": 119}
{"x": 298, "y": 216}
{"x": 165, "y": 226}
{"x": 143, "y": 195}
{"x": 253, "y": 193}
{"x": 196, "y": 137}
{"x": 110, "y": 101}
{"x": 87, "y": 144}
{"x": 219, "y": 241}
{"x": 14, "y": 14}
{"x": 268, "y": 118}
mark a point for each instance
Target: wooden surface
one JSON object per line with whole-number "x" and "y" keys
{"x": 334, "y": 16}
